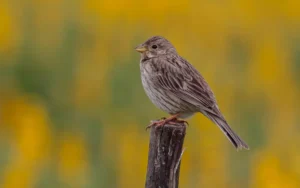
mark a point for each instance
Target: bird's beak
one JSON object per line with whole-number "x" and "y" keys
{"x": 141, "y": 48}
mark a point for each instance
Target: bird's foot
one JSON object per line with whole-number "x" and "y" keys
{"x": 163, "y": 121}
{"x": 157, "y": 123}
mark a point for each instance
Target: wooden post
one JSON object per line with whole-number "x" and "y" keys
{"x": 165, "y": 152}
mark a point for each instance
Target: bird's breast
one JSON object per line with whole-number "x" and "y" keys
{"x": 159, "y": 96}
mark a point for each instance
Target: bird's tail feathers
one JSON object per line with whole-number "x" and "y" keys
{"x": 231, "y": 135}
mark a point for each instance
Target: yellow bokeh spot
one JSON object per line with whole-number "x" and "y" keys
{"x": 8, "y": 29}
{"x": 72, "y": 160}
{"x": 269, "y": 172}
{"x": 27, "y": 121}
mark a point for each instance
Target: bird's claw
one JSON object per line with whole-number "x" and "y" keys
{"x": 157, "y": 123}
{"x": 164, "y": 121}
{"x": 151, "y": 124}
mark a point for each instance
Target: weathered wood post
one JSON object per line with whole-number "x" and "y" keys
{"x": 164, "y": 158}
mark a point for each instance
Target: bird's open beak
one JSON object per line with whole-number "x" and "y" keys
{"x": 141, "y": 48}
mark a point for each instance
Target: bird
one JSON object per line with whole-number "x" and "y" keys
{"x": 176, "y": 87}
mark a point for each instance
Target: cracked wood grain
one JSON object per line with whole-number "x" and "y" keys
{"x": 164, "y": 157}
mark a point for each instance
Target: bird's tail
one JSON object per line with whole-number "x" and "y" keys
{"x": 219, "y": 120}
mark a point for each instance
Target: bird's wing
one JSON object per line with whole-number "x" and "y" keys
{"x": 177, "y": 75}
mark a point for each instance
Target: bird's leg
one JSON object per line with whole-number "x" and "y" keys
{"x": 164, "y": 121}
{"x": 155, "y": 122}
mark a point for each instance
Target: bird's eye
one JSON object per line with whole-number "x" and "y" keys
{"x": 154, "y": 46}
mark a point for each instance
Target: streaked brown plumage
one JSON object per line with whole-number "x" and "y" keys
{"x": 177, "y": 88}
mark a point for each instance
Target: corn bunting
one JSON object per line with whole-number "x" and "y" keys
{"x": 176, "y": 87}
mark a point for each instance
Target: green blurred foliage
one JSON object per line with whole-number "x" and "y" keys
{"x": 73, "y": 111}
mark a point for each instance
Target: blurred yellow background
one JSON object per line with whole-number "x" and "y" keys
{"x": 73, "y": 111}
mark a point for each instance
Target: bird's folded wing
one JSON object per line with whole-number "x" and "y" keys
{"x": 185, "y": 81}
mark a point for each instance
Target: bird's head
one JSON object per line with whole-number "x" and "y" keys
{"x": 155, "y": 46}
